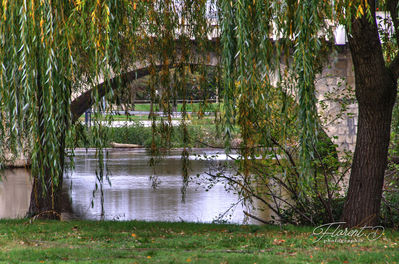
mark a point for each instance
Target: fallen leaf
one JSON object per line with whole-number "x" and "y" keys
{"x": 278, "y": 241}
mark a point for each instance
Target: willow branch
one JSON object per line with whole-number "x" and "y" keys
{"x": 257, "y": 218}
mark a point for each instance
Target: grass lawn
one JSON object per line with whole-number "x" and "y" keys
{"x": 190, "y": 107}
{"x": 145, "y": 117}
{"x": 160, "y": 242}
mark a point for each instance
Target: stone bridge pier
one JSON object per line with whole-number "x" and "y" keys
{"x": 337, "y": 107}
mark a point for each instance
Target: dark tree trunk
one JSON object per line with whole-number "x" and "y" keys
{"x": 375, "y": 93}
{"x": 41, "y": 203}
{"x": 46, "y": 203}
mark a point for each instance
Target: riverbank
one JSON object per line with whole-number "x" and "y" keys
{"x": 201, "y": 133}
{"x": 163, "y": 242}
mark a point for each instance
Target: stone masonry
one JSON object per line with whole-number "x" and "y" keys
{"x": 337, "y": 105}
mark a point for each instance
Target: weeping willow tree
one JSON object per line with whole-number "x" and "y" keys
{"x": 300, "y": 28}
{"x": 52, "y": 51}
{"x": 48, "y": 48}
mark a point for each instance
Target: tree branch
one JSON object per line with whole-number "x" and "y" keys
{"x": 257, "y": 218}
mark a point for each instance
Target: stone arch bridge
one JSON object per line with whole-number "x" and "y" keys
{"x": 334, "y": 90}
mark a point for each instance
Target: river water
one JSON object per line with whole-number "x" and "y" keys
{"x": 131, "y": 194}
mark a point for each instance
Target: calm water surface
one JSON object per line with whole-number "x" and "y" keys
{"x": 130, "y": 195}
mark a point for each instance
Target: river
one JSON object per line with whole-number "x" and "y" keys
{"x": 131, "y": 196}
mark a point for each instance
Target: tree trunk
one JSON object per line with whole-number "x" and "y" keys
{"x": 47, "y": 199}
{"x": 46, "y": 195}
{"x": 46, "y": 204}
{"x": 41, "y": 203}
{"x": 375, "y": 93}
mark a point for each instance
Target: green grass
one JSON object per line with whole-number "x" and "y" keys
{"x": 190, "y": 107}
{"x": 142, "y": 118}
{"x": 160, "y": 242}
{"x": 129, "y": 118}
{"x": 120, "y": 118}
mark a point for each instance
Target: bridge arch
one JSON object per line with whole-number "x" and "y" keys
{"x": 334, "y": 90}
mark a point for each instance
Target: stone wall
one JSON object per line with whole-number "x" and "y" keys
{"x": 337, "y": 104}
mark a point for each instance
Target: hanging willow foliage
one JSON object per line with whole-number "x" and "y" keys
{"x": 35, "y": 86}
{"x": 47, "y": 49}
{"x": 256, "y": 37}
{"x": 270, "y": 47}
{"x": 51, "y": 51}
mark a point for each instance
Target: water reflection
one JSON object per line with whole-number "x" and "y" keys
{"x": 131, "y": 196}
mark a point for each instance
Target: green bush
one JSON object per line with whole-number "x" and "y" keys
{"x": 135, "y": 134}
{"x": 390, "y": 198}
